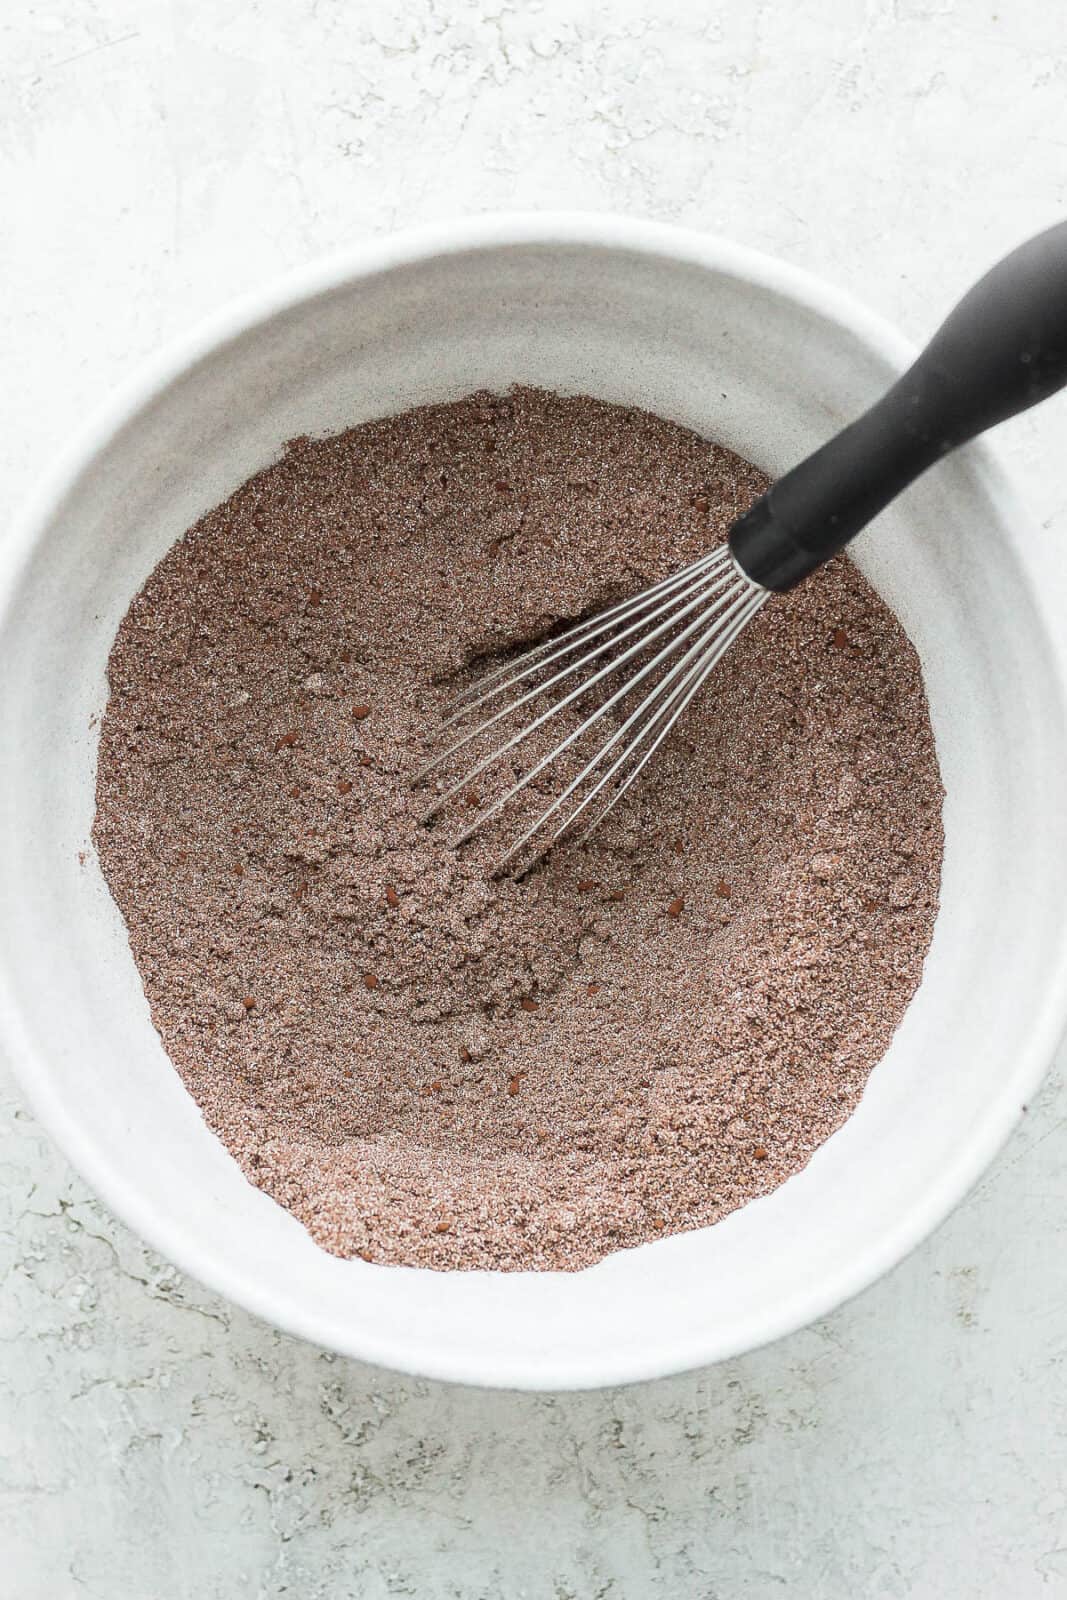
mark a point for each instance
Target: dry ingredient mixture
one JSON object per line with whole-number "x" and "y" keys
{"x": 432, "y": 1068}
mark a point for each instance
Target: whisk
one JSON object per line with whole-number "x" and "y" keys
{"x": 625, "y": 676}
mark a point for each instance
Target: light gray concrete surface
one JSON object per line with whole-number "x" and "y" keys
{"x": 159, "y": 155}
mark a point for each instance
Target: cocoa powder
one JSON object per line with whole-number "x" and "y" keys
{"x": 433, "y": 1068}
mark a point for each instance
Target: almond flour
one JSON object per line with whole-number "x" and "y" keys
{"x": 431, "y": 1068}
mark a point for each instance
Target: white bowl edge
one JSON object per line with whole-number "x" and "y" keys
{"x": 1042, "y": 1032}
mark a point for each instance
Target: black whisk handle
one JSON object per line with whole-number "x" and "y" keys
{"x": 1002, "y": 350}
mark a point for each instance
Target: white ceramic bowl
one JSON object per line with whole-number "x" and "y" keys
{"x": 751, "y": 353}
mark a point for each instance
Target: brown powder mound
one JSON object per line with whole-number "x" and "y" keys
{"x": 431, "y": 1068}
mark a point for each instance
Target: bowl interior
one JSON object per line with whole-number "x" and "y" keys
{"x": 751, "y": 357}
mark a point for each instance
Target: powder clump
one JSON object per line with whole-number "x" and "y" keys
{"x": 428, "y": 1067}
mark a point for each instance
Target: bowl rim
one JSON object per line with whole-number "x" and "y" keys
{"x": 595, "y": 231}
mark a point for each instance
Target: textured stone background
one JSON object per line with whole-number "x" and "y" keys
{"x": 158, "y": 155}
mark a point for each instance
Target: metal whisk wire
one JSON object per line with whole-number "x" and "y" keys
{"x": 673, "y": 633}
{"x": 537, "y": 657}
{"x": 563, "y": 647}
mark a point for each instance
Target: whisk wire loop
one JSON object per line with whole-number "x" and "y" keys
{"x": 664, "y": 642}
{"x": 704, "y": 594}
{"x": 533, "y": 659}
{"x": 642, "y": 672}
{"x": 655, "y": 706}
